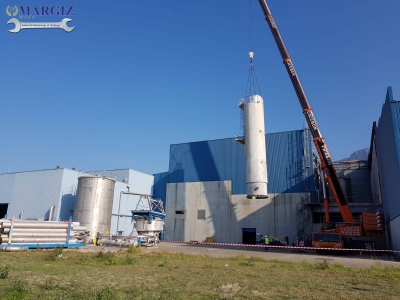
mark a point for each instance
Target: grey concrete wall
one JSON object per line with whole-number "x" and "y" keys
{"x": 212, "y": 196}
{"x": 275, "y": 216}
{"x": 227, "y": 214}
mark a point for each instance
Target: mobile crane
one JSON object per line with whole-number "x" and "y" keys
{"x": 332, "y": 235}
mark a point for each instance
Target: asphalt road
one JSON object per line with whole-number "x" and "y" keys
{"x": 346, "y": 259}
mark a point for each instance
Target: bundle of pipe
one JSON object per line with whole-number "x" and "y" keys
{"x": 25, "y": 231}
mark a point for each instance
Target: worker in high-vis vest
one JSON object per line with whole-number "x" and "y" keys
{"x": 266, "y": 242}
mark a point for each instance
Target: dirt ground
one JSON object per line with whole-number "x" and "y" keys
{"x": 349, "y": 259}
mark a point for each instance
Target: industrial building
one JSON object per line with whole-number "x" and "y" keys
{"x": 222, "y": 162}
{"x": 30, "y": 195}
{"x": 205, "y": 193}
{"x": 385, "y": 166}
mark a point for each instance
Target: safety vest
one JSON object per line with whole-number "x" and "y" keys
{"x": 266, "y": 241}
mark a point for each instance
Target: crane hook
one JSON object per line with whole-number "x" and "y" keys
{"x": 251, "y": 55}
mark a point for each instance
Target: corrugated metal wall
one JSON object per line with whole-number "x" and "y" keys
{"x": 358, "y": 175}
{"x": 160, "y": 185}
{"x": 127, "y": 204}
{"x": 138, "y": 182}
{"x": 69, "y": 186}
{"x": 395, "y": 233}
{"x": 387, "y": 141}
{"x": 118, "y": 175}
{"x": 375, "y": 181}
{"x": 224, "y": 159}
{"x": 32, "y": 192}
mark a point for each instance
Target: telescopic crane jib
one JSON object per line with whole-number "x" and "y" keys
{"x": 326, "y": 161}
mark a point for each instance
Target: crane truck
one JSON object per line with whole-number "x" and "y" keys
{"x": 348, "y": 234}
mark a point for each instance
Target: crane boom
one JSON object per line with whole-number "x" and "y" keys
{"x": 326, "y": 161}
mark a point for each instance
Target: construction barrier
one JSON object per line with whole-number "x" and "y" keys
{"x": 281, "y": 247}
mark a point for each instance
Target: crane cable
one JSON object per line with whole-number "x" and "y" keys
{"x": 252, "y": 81}
{"x": 249, "y": 25}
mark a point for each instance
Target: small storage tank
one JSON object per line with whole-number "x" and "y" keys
{"x": 94, "y": 200}
{"x": 144, "y": 227}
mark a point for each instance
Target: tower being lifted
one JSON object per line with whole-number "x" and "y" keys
{"x": 254, "y": 138}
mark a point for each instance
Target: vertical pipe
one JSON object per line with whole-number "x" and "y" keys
{"x": 326, "y": 204}
{"x": 119, "y": 210}
{"x": 51, "y": 213}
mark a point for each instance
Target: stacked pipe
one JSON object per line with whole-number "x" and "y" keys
{"x": 28, "y": 232}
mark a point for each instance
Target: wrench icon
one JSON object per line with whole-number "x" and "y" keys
{"x": 25, "y": 25}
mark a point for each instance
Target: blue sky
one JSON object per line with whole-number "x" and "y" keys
{"x": 137, "y": 76}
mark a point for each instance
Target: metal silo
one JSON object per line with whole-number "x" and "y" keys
{"x": 254, "y": 140}
{"x": 93, "y": 207}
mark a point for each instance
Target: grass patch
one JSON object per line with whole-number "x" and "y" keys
{"x": 136, "y": 274}
{"x": 4, "y": 271}
{"x": 55, "y": 254}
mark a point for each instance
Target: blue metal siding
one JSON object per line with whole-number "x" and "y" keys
{"x": 160, "y": 186}
{"x": 286, "y": 172}
{"x": 215, "y": 160}
{"x": 395, "y": 105}
{"x": 224, "y": 159}
{"x": 388, "y": 152}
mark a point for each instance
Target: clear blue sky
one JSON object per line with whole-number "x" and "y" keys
{"x": 136, "y": 76}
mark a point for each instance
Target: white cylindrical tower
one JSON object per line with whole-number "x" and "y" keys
{"x": 254, "y": 140}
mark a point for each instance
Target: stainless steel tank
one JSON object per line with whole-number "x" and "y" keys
{"x": 254, "y": 134}
{"x": 94, "y": 200}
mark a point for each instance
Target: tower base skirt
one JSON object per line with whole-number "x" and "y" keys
{"x": 257, "y": 190}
